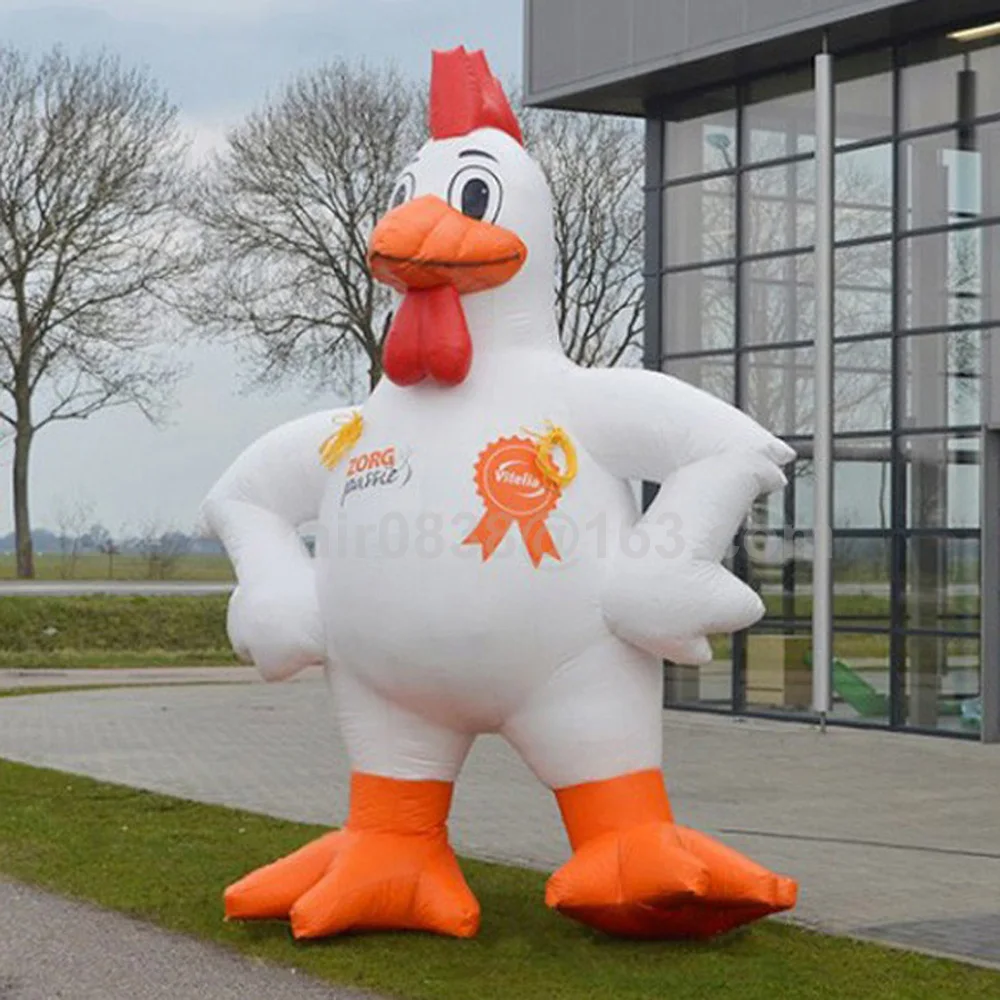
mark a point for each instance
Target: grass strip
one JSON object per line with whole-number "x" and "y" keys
{"x": 84, "y": 659}
{"x": 15, "y": 692}
{"x": 93, "y": 566}
{"x": 166, "y": 860}
{"x": 42, "y": 632}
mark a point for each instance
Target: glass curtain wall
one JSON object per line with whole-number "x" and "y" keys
{"x": 917, "y": 209}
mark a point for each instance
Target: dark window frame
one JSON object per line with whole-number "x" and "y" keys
{"x": 898, "y": 534}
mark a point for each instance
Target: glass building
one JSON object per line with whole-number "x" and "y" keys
{"x": 732, "y": 236}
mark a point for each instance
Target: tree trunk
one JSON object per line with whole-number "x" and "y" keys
{"x": 375, "y": 357}
{"x": 375, "y": 371}
{"x": 22, "y": 520}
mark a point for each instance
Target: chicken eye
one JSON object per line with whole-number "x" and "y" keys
{"x": 403, "y": 191}
{"x": 475, "y": 198}
{"x": 476, "y": 192}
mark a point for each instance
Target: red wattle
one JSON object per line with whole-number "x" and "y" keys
{"x": 428, "y": 337}
{"x": 401, "y": 359}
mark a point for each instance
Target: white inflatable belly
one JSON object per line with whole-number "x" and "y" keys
{"x": 442, "y": 556}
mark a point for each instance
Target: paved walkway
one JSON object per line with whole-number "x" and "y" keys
{"x": 892, "y": 837}
{"x": 51, "y": 947}
{"x": 125, "y": 676}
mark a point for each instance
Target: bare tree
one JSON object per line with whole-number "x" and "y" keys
{"x": 161, "y": 550}
{"x": 287, "y": 213}
{"x": 90, "y": 174}
{"x": 72, "y": 518}
{"x": 99, "y": 539}
{"x": 171, "y": 548}
{"x": 594, "y": 165}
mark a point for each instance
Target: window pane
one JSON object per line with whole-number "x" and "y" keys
{"x": 716, "y": 375}
{"x": 929, "y": 91}
{"x": 942, "y": 481}
{"x": 860, "y": 676}
{"x": 780, "y": 117}
{"x": 805, "y": 485}
{"x": 779, "y": 300}
{"x": 709, "y": 684}
{"x": 861, "y": 575}
{"x": 778, "y": 674}
{"x": 942, "y": 374}
{"x": 945, "y": 278}
{"x": 700, "y": 221}
{"x": 862, "y": 386}
{"x": 860, "y": 570}
{"x": 864, "y": 193}
{"x": 986, "y": 140}
{"x": 792, "y": 509}
{"x": 778, "y": 389}
{"x": 864, "y": 96}
{"x": 699, "y": 310}
{"x": 942, "y": 183}
{"x": 984, "y": 57}
{"x": 942, "y": 583}
{"x": 863, "y": 294}
{"x": 943, "y": 683}
{"x": 862, "y": 484}
{"x": 781, "y": 571}
{"x": 935, "y": 87}
{"x": 780, "y": 207}
{"x": 701, "y": 138}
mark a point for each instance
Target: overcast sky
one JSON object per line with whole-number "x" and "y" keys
{"x": 218, "y": 59}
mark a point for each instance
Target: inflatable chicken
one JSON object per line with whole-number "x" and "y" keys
{"x": 481, "y": 567}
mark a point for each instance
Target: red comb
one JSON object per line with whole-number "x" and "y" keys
{"x": 465, "y": 95}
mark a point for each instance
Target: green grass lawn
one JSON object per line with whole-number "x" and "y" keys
{"x": 132, "y": 631}
{"x": 167, "y": 860}
{"x": 19, "y": 692}
{"x": 96, "y": 659}
{"x": 94, "y": 566}
{"x": 114, "y": 631}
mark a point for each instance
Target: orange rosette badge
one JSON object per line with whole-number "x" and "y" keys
{"x": 514, "y": 489}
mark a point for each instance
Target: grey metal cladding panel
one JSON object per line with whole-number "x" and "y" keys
{"x": 604, "y": 38}
{"x": 835, "y": 6}
{"x": 764, "y": 14}
{"x": 553, "y": 43}
{"x": 713, "y": 21}
{"x": 575, "y": 41}
{"x": 658, "y": 27}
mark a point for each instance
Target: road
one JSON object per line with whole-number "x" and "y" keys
{"x": 79, "y": 588}
{"x": 52, "y": 947}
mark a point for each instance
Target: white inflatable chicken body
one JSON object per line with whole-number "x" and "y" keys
{"x": 481, "y": 567}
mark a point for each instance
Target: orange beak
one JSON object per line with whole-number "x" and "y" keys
{"x": 426, "y": 243}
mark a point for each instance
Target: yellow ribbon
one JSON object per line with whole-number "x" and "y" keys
{"x": 336, "y": 446}
{"x": 555, "y": 437}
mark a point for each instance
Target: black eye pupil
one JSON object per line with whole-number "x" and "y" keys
{"x": 475, "y": 198}
{"x": 399, "y": 197}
